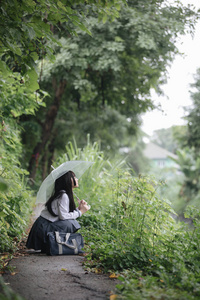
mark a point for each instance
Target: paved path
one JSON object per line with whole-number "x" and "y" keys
{"x": 40, "y": 277}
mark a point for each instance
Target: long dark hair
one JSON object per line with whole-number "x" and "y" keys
{"x": 63, "y": 184}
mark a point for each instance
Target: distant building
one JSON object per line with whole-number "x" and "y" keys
{"x": 160, "y": 157}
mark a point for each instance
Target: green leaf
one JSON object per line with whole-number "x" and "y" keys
{"x": 60, "y": 4}
{"x": 31, "y": 32}
{"x": 14, "y": 48}
{"x": 3, "y": 185}
{"x": 2, "y": 214}
{"x": 82, "y": 27}
{"x": 4, "y": 69}
{"x": 31, "y": 3}
{"x": 32, "y": 83}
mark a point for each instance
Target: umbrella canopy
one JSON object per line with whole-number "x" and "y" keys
{"x": 47, "y": 187}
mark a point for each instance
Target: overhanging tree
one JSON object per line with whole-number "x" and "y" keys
{"x": 188, "y": 158}
{"x": 193, "y": 134}
{"x": 25, "y": 38}
{"x": 190, "y": 190}
{"x": 117, "y": 67}
{"x": 26, "y": 29}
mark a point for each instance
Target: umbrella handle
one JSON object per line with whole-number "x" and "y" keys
{"x": 79, "y": 201}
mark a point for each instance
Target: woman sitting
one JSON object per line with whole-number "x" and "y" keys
{"x": 60, "y": 213}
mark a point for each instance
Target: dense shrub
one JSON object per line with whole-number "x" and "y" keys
{"x": 131, "y": 230}
{"x": 15, "y": 197}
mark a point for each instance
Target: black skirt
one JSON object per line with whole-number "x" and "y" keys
{"x": 37, "y": 238}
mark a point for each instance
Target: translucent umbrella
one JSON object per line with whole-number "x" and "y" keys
{"x": 47, "y": 187}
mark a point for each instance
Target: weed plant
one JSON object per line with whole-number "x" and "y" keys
{"x": 131, "y": 231}
{"x": 15, "y": 197}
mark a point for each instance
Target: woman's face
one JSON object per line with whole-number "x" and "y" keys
{"x": 76, "y": 180}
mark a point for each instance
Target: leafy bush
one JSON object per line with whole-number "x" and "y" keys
{"x": 16, "y": 199}
{"x": 130, "y": 230}
{"x": 139, "y": 233}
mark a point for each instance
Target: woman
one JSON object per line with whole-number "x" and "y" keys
{"x": 60, "y": 213}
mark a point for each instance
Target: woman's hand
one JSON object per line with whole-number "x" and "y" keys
{"x": 83, "y": 206}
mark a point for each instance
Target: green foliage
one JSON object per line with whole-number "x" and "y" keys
{"x": 130, "y": 49}
{"x": 188, "y": 155}
{"x": 15, "y": 199}
{"x": 136, "y": 286}
{"x": 26, "y": 37}
{"x": 107, "y": 77}
{"x": 26, "y": 31}
{"x": 130, "y": 230}
{"x": 91, "y": 152}
{"x": 171, "y": 138}
{"x": 133, "y": 152}
{"x": 190, "y": 187}
{"x": 135, "y": 217}
{"x": 193, "y": 135}
{"x": 108, "y": 127}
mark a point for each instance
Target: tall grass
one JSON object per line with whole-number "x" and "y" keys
{"x": 130, "y": 230}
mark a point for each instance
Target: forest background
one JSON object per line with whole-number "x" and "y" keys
{"x": 75, "y": 78}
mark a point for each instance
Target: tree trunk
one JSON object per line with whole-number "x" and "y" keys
{"x": 47, "y": 127}
{"x": 48, "y": 156}
{"x": 102, "y": 91}
{"x": 44, "y": 164}
{"x": 51, "y": 149}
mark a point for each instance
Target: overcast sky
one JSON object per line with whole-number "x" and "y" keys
{"x": 180, "y": 76}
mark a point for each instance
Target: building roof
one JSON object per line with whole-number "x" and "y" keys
{"x": 153, "y": 151}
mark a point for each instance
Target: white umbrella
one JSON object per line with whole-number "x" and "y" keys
{"x": 47, "y": 187}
